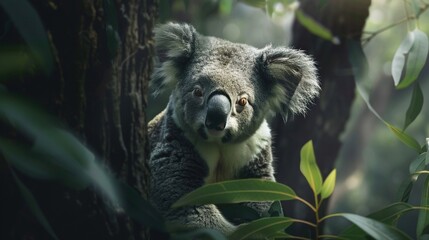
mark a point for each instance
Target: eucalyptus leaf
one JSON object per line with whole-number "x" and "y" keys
{"x": 388, "y": 215}
{"x": 329, "y": 184}
{"x": 415, "y": 107}
{"x": 56, "y": 152}
{"x": 261, "y": 228}
{"x": 309, "y": 168}
{"x": 418, "y": 164}
{"x": 400, "y": 58}
{"x": 423, "y": 220}
{"x": 313, "y": 26}
{"x": 279, "y": 235}
{"x": 39, "y": 165}
{"x": 410, "y": 58}
{"x": 427, "y": 151}
{"x": 375, "y": 229}
{"x": 405, "y": 189}
{"x": 360, "y": 68}
{"x": 235, "y": 191}
{"x": 404, "y": 137}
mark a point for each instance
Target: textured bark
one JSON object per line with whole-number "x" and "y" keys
{"x": 327, "y": 117}
{"x": 103, "y": 60}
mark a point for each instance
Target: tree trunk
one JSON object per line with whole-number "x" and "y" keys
{"x": 103, "y": 53}
{"x": 327, "y": 117}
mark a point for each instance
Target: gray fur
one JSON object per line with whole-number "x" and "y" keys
{"x": 185, "y": 154}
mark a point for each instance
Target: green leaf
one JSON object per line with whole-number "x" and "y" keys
{"x": 34, "y": 206}
{"x": 418, "y": 164}
{"x": 235, "y": 191}
{"x": 360, "y": 69}
{"x": 309, "y": 168}
{"x": 410, "y": 59}
{"x": 29, "y": 25}
{"x": 415, "y": 107}
{"x": 57, "y": 154}
{"x": 279, "y": 235}
{"x": 375, "y": 229}
{"x": 427, "y": 151}
{"x": 314, "y": 27}
{"x": 329, "y": 184}
{"x": 423, "y": 220}
{"x": 54, "y": 149}
{"x": 388, "y": 215}
{"x": 405, "y": 138}
{"x": 405, "y": 189}
{"x": 261, "y": 228}
{"x": 39, "y": 165}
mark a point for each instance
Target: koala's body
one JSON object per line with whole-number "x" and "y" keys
{"x": 214, "y": 127}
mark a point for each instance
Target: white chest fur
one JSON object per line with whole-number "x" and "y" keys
{"x": 224, "y": 160}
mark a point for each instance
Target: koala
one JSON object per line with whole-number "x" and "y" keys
{"x": 214, "y": 127}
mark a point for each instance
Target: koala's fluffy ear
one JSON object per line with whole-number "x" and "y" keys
{"x": 174, "y": 45}
{"x": 292, "y": 77}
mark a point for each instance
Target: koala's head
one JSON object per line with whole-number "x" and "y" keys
{"x": 223, "y": 91}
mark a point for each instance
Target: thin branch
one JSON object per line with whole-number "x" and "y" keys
{"x": 303, "y": 222}
{"x": 407, "y": 14}
{"x": 375, "y": 33}
{"x": 330, "y": 216}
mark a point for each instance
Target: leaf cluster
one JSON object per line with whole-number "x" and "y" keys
{"x": 379, "y": 225}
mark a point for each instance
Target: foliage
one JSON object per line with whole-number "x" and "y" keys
{"x": 379, "y": 225}
{"x": 57, "y": 155}
{"x": 408, "y": 62}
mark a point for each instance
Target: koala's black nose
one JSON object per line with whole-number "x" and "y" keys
{"x": 218, "y": 108}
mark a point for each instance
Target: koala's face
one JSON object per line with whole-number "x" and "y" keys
{"x": 220, "y": 97}
{"x": 223, "y": 91}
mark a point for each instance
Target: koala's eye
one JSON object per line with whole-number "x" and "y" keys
{"x": 197, "y": 92}
{"x": 242, "y": 102}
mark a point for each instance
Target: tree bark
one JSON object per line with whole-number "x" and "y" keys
{"x": 103, "y": 52}
{"x": 326, "y": 119}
